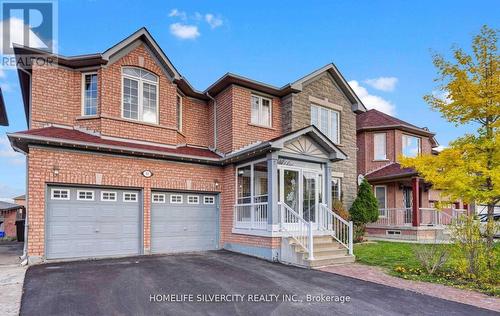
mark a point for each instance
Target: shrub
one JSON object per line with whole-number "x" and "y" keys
{"x": 431, "y": 257}
{"x": 466, "y": 235}
{"x": 364, "y": 209}
{"x": 339, "y": 209}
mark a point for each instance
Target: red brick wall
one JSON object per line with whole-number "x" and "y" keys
{"x": 81, "y": 168}
{"x": 9, "y": 223}
{"x": 56, "y": 98}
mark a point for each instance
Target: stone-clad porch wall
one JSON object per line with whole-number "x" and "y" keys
{"x": 296, "y": 113}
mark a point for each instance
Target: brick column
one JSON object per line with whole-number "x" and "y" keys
{"x": 147, "y": 219}
{"x": 415, "y": 201}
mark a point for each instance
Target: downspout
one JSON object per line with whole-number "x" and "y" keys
{"x": 24, "y": 257}
{"x": 215, "y": 119}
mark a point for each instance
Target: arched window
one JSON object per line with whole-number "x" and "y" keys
{"x": 140, "y": 95}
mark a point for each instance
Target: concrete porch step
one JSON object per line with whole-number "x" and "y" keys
{"x": 320, "y": 261}
{"x": 324, "y": 249}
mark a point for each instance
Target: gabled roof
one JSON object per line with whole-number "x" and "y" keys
{"x": 99, "y": 59}
{"x": 4, "y": 121}
{"x": 391, "y": 171}
{"x": 20, "y": 197}
{"x": 357, "y": 105}
{"x": 278, "y": 143}
{"x": 373, "y": 120}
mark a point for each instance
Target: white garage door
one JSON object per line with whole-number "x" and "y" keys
{"x": 183, "y": 222}
{"x": 90, "y": 222}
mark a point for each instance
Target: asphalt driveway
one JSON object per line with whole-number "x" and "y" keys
{"x": 130, "y": 286}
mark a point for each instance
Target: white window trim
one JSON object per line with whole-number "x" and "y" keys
{"x": 375, "y": 147}
{"x": 330, "y": 111}
{"x": 180, "y": 114}
{"x": 59, "y": 198}
{"x": 133, "y": 194}
{"x": 251, "y": 164}
{"x": 176, "y": 202}
{"x": 164, "y": 199}
{"x": 209, "y": 197}
{"x": 385, "y": 197}
{"x": 106, "y": 200}
{"x": 140, "y": 95}
{"x": 270, "y": 123}
{"x": 403, "y": 144}
{"x": 83, "y": 92}
{"x": 195, "y": 197}
{"x": 86, "y": 191}
{"x": 340, "y": 187}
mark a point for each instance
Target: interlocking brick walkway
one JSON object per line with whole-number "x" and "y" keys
{"x": 377, "y": 275}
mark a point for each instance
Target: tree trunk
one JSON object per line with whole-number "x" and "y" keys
{"x": 490, "y": 232}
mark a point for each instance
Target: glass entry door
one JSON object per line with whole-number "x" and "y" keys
{"x": 299, "y": 189}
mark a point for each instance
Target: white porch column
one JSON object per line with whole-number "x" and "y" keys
{"x": 272, "y": 191}
{"x": 328, "y": 185}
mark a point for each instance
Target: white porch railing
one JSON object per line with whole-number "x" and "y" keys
{"x": 296, "y": 227}
{"x": 250, "y": 216}
{"x": 436, "y": 217}
{"x": 393, "y": 217}
{"x": 340, "y": 229}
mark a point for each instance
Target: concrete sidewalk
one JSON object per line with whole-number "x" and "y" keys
{"x": 11, "y": 277}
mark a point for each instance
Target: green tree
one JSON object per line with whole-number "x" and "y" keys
{"x": 364, "y": 210}
{"x": 469, "y": 93}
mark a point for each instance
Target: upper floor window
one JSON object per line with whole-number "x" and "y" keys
{"x": 411, "y": 146}
{"x": 89, "y": 94}
{"x": 327, "y": 121}
{"x": 179, "y": 112}
{"x": 379, "y": 146}
{"x": 261, "y": 111}
{"x": 140, "y": 95}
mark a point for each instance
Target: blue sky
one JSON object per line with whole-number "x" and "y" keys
{"x": 382, "y": 47}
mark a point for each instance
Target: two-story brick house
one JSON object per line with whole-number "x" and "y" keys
{"x": 406, "y": 202}
{"x": 125, "y": 157}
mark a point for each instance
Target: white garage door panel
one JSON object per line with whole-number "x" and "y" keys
{"x": 183, "y": 227}
{"x": 92, "y": 228}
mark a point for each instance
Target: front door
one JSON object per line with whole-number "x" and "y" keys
{"x": 299, "y": 189}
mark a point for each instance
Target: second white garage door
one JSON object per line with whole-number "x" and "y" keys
{"x": 182, "y": 222}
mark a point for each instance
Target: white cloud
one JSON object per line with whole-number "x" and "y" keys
{"x": 383, "y": 83}
{"x": 372, "y": 101}
{"x": 177, "y": 13}
{"x": 442, "y": 95}
{"x": 184, "y": 31}
{"x": 6, "y": 152}
{"x": 213, "y": 21}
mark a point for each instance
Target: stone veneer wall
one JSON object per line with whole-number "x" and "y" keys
{"x": 325, "y": 92}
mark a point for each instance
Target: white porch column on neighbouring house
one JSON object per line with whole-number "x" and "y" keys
{"x": 272, "y": 191}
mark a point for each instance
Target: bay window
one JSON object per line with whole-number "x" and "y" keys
{"x": 140, "y": 95}
{"x": 327, "y": 121}
{"x": 411, "y": 146}
{"x": 251, "y": 183}
{"x": 261, "y": 111}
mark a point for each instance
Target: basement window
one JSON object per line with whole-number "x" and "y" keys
{"x": 393, "y": 232}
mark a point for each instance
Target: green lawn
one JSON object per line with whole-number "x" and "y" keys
{"x": 399, "y": 260}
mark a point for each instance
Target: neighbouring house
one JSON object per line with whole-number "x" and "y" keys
{"x": 407, "y": 203}
{"x": 9, "y": 213}
{"x": 20, "y": 200}
{"x": 125, "y": 157}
